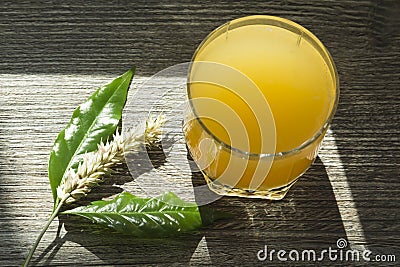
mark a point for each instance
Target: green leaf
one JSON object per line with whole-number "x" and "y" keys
{"x": 92, "y": 122}
{"x": 166, "y": 215}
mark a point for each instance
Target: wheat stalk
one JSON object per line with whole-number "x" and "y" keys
{"x": 76, "y": 184}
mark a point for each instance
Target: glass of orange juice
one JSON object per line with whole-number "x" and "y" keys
{"x": 261, "y": 93}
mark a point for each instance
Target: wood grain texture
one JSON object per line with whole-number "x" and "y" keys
{"x": 54, "y": 54}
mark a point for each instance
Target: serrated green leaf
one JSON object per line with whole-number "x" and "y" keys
{"x": 166, "y": 215}
{"x": 92, "y": 121}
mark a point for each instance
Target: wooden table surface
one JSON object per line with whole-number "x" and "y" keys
{"x": 56, "y": 53}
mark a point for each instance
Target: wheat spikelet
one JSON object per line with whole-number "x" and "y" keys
{"x": 76, "y": 184}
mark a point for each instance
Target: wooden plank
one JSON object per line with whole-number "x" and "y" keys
{"x": 53, "y": 55}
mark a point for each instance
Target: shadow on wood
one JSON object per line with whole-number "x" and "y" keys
{"x": 115, "y": 248}
{"x": 307, "y": 218}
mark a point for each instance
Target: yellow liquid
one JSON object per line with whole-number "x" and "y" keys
{"x": 294, "y": 79}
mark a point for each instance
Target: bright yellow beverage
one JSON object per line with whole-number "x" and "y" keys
{"x": 295, "y": 79}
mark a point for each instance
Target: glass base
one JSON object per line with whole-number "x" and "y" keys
{"x": 272, "y": 194}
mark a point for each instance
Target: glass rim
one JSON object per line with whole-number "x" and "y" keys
{"x": 288, "y": 25}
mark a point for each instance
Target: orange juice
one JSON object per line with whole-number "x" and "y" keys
{"x": 294, "y": 76}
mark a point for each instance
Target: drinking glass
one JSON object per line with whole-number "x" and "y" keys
{"x": 261, "y": 93}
